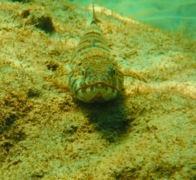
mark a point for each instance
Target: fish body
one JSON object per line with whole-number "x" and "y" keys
{"x": 94, "y": 77}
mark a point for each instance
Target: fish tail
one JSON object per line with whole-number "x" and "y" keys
{"x": 95, "y": 19}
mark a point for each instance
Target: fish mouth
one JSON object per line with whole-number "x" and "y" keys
{"x": 96, "y": 92}
{"x": 97, "y": 84}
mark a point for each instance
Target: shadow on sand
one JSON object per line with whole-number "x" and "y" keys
{"x": 108, "y": 118}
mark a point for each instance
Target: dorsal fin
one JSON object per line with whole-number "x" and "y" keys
{"x": 95, "y": 19}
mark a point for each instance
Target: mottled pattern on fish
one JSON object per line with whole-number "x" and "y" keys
{"x": 95, "y": 76}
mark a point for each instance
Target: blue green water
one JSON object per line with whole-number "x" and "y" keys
{"x": 170, "y": 15}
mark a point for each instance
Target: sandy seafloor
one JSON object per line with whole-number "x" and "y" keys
{"x": 45, "y": 133}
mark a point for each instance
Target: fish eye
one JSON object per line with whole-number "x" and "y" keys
{"x": 111, "y": 71}
{"x": 83, "y": 72}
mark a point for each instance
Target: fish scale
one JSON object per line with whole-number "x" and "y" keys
{"x": 95, "y": 77}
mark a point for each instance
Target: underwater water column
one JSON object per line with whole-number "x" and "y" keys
{"x": 175, "y": 16}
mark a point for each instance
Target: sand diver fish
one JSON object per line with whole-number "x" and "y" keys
{"x": 95, "y": 77}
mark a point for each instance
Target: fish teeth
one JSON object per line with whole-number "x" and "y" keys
{"x": 93, "y": 55}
